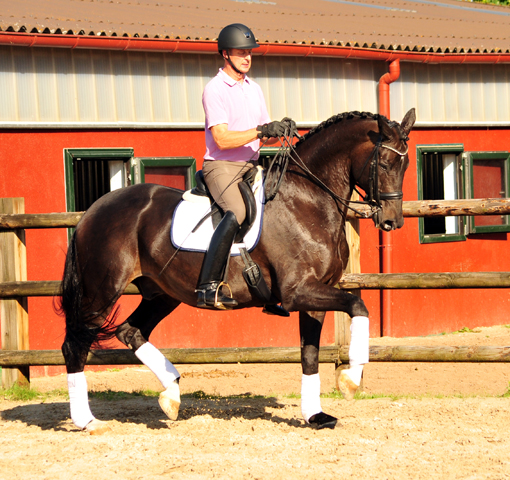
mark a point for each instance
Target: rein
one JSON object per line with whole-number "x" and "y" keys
{"x": 287, "y": 152}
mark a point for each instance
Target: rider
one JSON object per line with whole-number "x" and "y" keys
{"x": 236, "y": 119}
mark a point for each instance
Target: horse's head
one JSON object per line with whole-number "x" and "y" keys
{"x": 382, "y": 173}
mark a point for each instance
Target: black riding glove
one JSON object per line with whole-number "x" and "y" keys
{"x": 291, "y": 127}
{"x": 271, "y": 130}
{"x": 287, "y": 127}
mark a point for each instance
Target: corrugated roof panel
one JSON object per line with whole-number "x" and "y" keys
{"x": 26, "y": 92}
{"x": 462, "y": 107}
{"x": 45, "y": 87}
{"x": 477, "y": 91}
{"x": 108, "y": 88}
{"x": 105, "y": 99}
{"x": 123, "y": 87}
{"x": 434, "y": 26}
{"x": 502, "y": 81}
{"x": 178, "y": 89}
{"x": 322, "y": 83}
{"x": 48, "y": 87}
{"x": 453, "y": 94}
{"x": 65, "y": 85}
{"x": 8, "y": 90}
{"x": 141, "y": 88}
{"x": 160, "y": 96}
{"x": 85, "y": 86}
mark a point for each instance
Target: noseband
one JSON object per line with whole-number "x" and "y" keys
{"x": 374, "y": 195}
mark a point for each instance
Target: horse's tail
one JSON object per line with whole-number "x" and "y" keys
{"x": 80, "y": 326}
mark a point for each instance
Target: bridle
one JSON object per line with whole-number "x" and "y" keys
{"x": 374, "y": 195}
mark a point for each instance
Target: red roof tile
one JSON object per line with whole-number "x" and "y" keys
{"x": 416, "y": 25}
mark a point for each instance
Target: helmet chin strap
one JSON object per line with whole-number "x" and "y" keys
{"x": 228, "y": 59}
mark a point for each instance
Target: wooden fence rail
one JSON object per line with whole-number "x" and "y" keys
{"x": 16, "y": 360}
{"x": 453, "y": 208}
{"x": 424, "y": 208}
{"x": 327, "y": 354}
{"x": 350, "y": 281}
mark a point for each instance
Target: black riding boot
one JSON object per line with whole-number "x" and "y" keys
{"x": 213, "y": 268}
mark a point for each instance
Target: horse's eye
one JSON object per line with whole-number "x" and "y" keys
{"x": 383, "y": 167}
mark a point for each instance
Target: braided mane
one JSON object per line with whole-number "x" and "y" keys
{"x": 348, "y": 116}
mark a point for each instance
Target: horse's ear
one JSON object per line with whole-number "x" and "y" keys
{"x": 408, "y": 121}
{"x": 385, "y": 130}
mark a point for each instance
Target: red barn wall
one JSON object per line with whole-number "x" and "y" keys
{"x": 425, "y": 312}
{"x": 32, "y": 166}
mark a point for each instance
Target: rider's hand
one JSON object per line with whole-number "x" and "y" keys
{"x": 287, "y": 127}
{"x": 291, "y": 127}
{"x": 272, "y": 130}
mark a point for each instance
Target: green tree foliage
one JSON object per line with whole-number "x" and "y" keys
{"x": 495, "y": 2}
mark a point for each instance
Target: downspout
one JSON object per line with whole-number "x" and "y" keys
{"x": 386, "y": 238}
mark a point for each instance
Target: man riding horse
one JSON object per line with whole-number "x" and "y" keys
{"x": 124, "y": 236}
{"x": 236, "y": 120}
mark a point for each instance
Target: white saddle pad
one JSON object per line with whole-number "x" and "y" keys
{"x": 193, "y": 208}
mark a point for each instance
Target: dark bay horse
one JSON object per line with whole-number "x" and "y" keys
{"x": 124, "y": 238}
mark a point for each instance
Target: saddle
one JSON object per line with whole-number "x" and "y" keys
{"x": 251, "y": 272}
{"x": 245, "y": 187}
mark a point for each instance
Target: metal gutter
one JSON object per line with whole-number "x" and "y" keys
{"x": 272, "y": 49}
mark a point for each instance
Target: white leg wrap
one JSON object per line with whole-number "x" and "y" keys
{"x": 152, "y": 358}
{"x": 358, "y": 350}
{"x": 359, "y": 347}
{"x": 310, "y": 396}
{"x": 78, "y": 399}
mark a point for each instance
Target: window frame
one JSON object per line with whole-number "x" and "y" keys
{"x": 138, "y": 165}
{"x": 468, "y": 158}
{"x": 269, "y": 152}
{"x": 90, "y": 154}
{"x": 458, "y": 150}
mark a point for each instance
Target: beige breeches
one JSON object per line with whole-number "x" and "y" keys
{"x": 222, "y": 178}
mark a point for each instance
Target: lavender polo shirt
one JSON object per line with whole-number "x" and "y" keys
{"x": 241, "y": 106}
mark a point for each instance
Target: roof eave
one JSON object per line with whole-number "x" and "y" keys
{"x": 270, "y": 49}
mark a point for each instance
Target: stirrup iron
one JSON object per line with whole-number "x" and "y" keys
{"x": 219, "y": 305}
{"x": 202, "y": 298}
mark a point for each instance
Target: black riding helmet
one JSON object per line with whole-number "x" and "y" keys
{"x": 237, "y": 36}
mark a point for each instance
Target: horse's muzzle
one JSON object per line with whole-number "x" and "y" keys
{"x": 387, "y": 222}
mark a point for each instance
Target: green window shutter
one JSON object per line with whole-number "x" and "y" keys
{"x": 439, "y": 178}
{"x": 487, "y": 175}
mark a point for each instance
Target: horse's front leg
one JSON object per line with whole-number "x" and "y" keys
{"x": 310, "y": 327}
{"x": 327, "y": 298}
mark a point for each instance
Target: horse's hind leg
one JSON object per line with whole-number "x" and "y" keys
{"x": 310, "y": 327}
{"x": 135, "y": 332}
{"x": 75, "y": 355}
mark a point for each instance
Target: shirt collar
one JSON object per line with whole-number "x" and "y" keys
{"x": 229, "y": 80}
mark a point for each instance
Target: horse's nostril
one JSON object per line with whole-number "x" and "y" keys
{"x": 388, "y": 225}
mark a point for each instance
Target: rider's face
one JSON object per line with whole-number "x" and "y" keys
{"x": 241, "y": 59}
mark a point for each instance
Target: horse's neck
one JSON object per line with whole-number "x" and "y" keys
{"x": 332, "y": 168}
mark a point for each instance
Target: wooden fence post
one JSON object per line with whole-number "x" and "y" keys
{"x": 13, "y": 312}
{"x": 342, "y": 320}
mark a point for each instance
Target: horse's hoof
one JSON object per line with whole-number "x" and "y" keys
{"x": 322, "y": 420}
{"x": 346, "y": 386}
{"x": 97, "y": 427}
{"x": 170, "y": 401}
